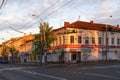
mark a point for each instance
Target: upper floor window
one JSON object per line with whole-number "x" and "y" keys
{"x": 118, "y": 41}
{"x": 93, "y": 40}
{"x": 112, "y": 41}
{"x": 107, "y": 40}
{"x": 71, "y": 39}
{"x": 56, "y": 41}
{"x": 59, "y": 40}
{"x": 79, "y": 39}
{"x": 63, "y": 40}
{"x": 86, "y": 40}
{"x": 53, "y": 43}
{"x": 100, "y": 40}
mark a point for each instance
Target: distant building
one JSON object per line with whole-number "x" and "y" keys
{"x": 85, "y": 41}
{"x": 23, "y": 44}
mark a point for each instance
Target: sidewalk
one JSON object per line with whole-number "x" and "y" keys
{"x": 67, "y": 65}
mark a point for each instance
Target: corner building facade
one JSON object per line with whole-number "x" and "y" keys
{"x": 86, "y": 41}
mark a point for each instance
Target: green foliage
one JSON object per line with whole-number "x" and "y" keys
{"x": 5, "y": 51}
{"x": 13, "y": 51}
{"x": 46, "y": 39}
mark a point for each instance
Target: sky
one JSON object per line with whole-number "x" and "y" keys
{"x": 16, "y": 16}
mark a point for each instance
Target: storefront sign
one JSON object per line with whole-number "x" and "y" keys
{"x": 86, "y": 49}
{"x": 73, "y": 49}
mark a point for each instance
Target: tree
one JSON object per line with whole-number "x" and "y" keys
{"x": 5, "y": 51}
{"x": 44, "y": 38}
{"x": 14, "y": 53}
{"x": 46, "y": 33}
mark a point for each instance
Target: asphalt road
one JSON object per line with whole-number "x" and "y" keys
{"x": 70, "y": 72}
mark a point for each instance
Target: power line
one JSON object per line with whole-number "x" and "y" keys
{"x": 2, "y": 4}
{"x": 49, "y": 7}
{"x": 17, "y": 9}
{"x": 5, "y": 2}
{"x": 11, "y": 27}
{"x": 93, "y": 4}
{"x": 57, "y": 9}
{"x": 34, "y": 18}
{"x": 15, "y": 30}
{"x": 41, "y": 13}
{"x": 52, "y": 12}
{"x": 44, "y": 17}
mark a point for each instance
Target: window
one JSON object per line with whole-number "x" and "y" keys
{"x": 79, "y": 39}
{"x": 112, "y": 41}
{"x": 118, "y": 41}
{"x": 53, "y": 43}
{"x": 107, "y": 40}
{"x": 63, "y": 40}
{"x": 93, "y": 40}
{"x": 59, "y": 40}
{"x": 56, "y": 42}
{"x": 86, "y": 40}
{"x": 71, "y": 39}
{"x": 38, "y": 57}
{"x": 100, "y": 42}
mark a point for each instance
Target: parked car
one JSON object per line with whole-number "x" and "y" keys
{"x": 4, "y": 60}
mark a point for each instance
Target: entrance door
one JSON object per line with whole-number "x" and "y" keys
{"x": 74, "y": 56}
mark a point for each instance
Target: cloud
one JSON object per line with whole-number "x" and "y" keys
{"x": 19, "y": 14}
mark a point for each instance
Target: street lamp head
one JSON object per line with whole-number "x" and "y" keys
{"x": 33, "y": 15}
{"x": 110, "y": 16}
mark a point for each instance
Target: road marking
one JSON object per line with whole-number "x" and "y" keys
{"x": 92, "y": 74}
{"x": 20, "y": 69}
{"x": 114, "y": 66}
{"x": 50, "y": 76}
{"x": 99, "y": 75}
{"x": 15, "y": 68}
{"x": 118, "y": 72}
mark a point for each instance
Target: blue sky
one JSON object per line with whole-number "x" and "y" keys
{"x": 18, "y": 14}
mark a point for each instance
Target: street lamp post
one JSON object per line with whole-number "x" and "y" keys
{"x": 42, "y": 39}
{"x": 106, "y": 41}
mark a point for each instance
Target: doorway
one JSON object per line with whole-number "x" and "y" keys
{"x": 76, "y": 56}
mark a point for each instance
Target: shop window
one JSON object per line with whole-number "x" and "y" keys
{"x": 38, "y": 57}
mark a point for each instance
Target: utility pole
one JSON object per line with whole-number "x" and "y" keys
{"x": 106, "y": 41}
{"x": 107, "y": 38}
{"x": 41, "y": 49}
{"x": 41, "y": 38}
{"x": 44, "y": 43}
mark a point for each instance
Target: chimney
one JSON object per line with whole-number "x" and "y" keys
{"x": 117, "y": 26}
{"x": 91, "y": 22}
{"x": 66, "y": 24}
{"x": 30, "y": 33}
{"x": 24, "y": 34}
